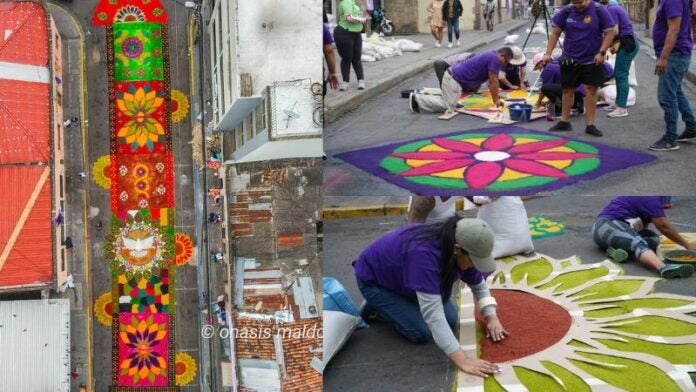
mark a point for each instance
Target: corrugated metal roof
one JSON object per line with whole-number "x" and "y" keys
{"x": 24, "y": 121}
{"x": 23, "y": 33}
{"x": 35, "y": 342}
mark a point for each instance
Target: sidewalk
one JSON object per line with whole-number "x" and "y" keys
{"x": 646, "y": 42}
{"x": 382, "y": 75}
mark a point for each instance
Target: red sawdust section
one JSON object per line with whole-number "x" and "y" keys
{"x": 30, "y": 260}
{"x": 24, "y": 122}
{"x": 23, "y": 33}
{"x": 534, "y": 324}
{"x": 106, "y": 12}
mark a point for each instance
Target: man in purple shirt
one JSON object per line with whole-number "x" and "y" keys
{"x": 465, "y": 76}
{"x": 673, "y": 43}
{"x": 407, "y": 276}
{"x": 621, "y": 229}
{"x": 589, "y": 31}
{"x": 330, "y": 58}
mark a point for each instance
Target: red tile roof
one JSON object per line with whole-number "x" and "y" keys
{"x": 26, "y": 246}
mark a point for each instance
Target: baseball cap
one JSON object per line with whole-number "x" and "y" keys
{"x": 518, "y": 57}
{"x": 476, "y": 238}
{"x": 537, "y": 59}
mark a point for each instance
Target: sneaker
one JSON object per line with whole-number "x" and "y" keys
{"x": 449, "y": 45}
{"x": 592, "y": 130}
{"x": 618, "y": 112}
{"x": 664, "y": 145}
{"x": 687, "y": 136}
{"x": 617, "y": 254}
{"x": 438, "y": 44}
{"x": 550, "y": 112}
{"x": 343, "y": 86}
{"x": 413, "y": 104}
{"x": 671, "y": 271}
{"x": 561, "y": 126}
{"x": 361, "y": 85}
{"x": 458, "y": 43}
{"x": 610, "y": 108}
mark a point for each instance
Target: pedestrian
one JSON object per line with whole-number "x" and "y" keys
{"x": 589, "y": 31}
{"x": 621, "y": 229}
{"x": 407, "y": 276}
{"x": 673, "y": 43}
{"x": 75, "y": 121}
{"x": 330, "y": 77}
{"x": 67, "y": 123}
{"x": 513, "y": 75}
{"x": 488, "y": 14}
{"x": 466, "y": 76}
{"x": 443, "y": 64}
{"x": 98, "y": 226}
{"x": 628, "y": 48}
{"x": 82, "y": 175}
{"x": 451, "y": 12}
{"x": 68, "y": 243}
{"x": 437, "y": 23}
{"x": 348, "y": 37}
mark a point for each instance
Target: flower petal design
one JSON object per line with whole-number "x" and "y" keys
{"x": 537, "y": 146}
{"x": 482, "y": 174}
{"x": 499, "y": 142}
{"x": 437, "y": 167}
{"x": 456, "y": 145}
{"x": 431, "y": 155}
{"x": 534, "y": 168}
{"x": 554, "y": 156}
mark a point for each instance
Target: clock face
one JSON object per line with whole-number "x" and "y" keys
{"x": 293, "y": 107}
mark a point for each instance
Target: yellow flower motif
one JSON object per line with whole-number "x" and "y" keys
{"x": 102, "y": 309}
{"x": 142, "y": 129}
{"x": 100, "y": 171}
{"x": 185, "y": 367}
{"x": 180, "y": 106}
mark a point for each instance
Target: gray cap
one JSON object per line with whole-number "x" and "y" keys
{"x": 476, "y": 238}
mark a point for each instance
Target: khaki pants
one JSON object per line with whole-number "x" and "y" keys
{"x": 439, "y": 100}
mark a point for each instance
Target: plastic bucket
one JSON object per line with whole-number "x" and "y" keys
{"x": 520, "y": 112}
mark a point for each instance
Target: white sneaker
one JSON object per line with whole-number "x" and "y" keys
{"x": 361, "y": 85}
{"x": 343, "y": 86}
{"x": 458, "y": 43}
{"x": 619, "y": 112}
{"x": 449, "y": 45}
{"x": 610, "y": 108}
{"x": 437, "y": 44}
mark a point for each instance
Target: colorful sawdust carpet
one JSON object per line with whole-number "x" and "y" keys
{"x": 481, "y": 104}
{"x": 498, "y": 160}
{"x": 580, "y": 327}
{"x": 543, "y": 227}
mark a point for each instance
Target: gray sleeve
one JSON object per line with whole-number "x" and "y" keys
{"x": 434, "y": 315}
{"x": 481, "y": 291}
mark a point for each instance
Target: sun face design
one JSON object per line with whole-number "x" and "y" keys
{"x": 493, "y": 162}
{"x": 129, "y": 13}
{"x": 184, "y": 249}
{"x": 179, "y": 106}
{"x": 185, "y": 367}
{"x": 581, "y": 327}
{"x": 101, "y": 171}
{"x": 103, "y": 309}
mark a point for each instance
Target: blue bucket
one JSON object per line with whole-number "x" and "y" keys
{"x": 521, "y": 112}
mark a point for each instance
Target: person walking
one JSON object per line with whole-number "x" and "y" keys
{"x": 330, "y": 77}
{"x": 628, "y": 48}
{"x": 589, "y": 32}
{"x": 407, "y": 277}
{"x": 451, "y": 12}
{"x": 437, "y": 23}
{"x": 348, "y": 38}
{"x": 488, "y": 14}
{"x": 673, "y": 44}
{"x": 622, "y": 230}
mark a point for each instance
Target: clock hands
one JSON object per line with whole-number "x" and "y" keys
{"x": 291, "y": 114}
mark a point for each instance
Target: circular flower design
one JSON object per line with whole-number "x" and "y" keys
{"x": 132, "y": 47}
{"x": 142, "y": 128}
{"x": 185, "y": 368}
{"x": 577, "y": 326}
{"x": 103, "y": 309}
{"x": 137, "y": 247}
{"x": 143, "y": 338}
{"x": 101, "y": 171}
{"x": 542, "y": 227}
{"x": 183, "y": 249}
{"x": 179, "y": 106}
{"x": 129, "y": 13}
{"x": 492, "y": 162}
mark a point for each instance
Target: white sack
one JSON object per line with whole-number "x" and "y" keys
{"x": 609, "y": 95}
{"x": 508, "y": 220}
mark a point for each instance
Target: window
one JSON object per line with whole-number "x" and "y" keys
{"x": 260, "y": 113}
{"x": 60, "y": 180}
{"x": 249, "y": 126}
{"x": 240, "y": 135}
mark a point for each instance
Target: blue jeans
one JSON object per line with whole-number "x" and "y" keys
{"x": 671, "y": 96}
{"x": 403, "y": 312}
{"x": 621, "y": 70}
{"x": 452, "y": 24}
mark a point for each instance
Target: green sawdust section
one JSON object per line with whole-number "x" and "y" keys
{"x": 544, "y": 227}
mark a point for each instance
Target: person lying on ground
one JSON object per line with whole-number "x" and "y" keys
{"x": 467, "y": 76}
{"x": 443, "y": 64}
{"x": 407, "y": 276}
{"x": 621, "y": 229}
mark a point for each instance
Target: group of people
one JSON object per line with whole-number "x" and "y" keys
{"x": 445, "y": 13}
{"x": 407, "y": 275}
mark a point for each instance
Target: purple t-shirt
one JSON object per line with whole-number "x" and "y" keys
{"x": 473, "y": 72}
{"x": 622, "y": 19}
{"x": 669, "y": 9}
{"x": 628, "y": 207}
{"x": 328, "y": 39}
{"x": 583, "y": 35}
{"x": 404, "y": 265}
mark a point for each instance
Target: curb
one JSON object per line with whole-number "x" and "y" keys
{"x": 690, "y": 74}
{"x": 333, "y": 213}
{"x": 333, "y": 113}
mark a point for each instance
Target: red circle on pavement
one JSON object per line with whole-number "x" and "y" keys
{"x": 534, "y": 323}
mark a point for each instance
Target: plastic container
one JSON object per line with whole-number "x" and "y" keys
{"x": 680, "y": 256}
{"x": 520, "y": 112}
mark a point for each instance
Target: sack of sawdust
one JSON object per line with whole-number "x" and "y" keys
{"x": 508, "y": 219}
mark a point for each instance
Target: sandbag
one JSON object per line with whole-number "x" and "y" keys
{"x": 338, "y": 327}
{"x": 366, "y": 58}
{"x": 508, "y": 220}
{"x": 609, "y": 95}
{"x": 337, "y": 298}
{"x": 406, "y": 45}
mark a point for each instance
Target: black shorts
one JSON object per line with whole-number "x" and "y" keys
{"x": 574, "y": 75}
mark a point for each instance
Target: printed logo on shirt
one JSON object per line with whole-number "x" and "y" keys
{"x": 587, "y": 19}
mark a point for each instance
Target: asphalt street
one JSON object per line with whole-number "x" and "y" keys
{"x": 378, "y": 358}
{"x": 386, "y": 119}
